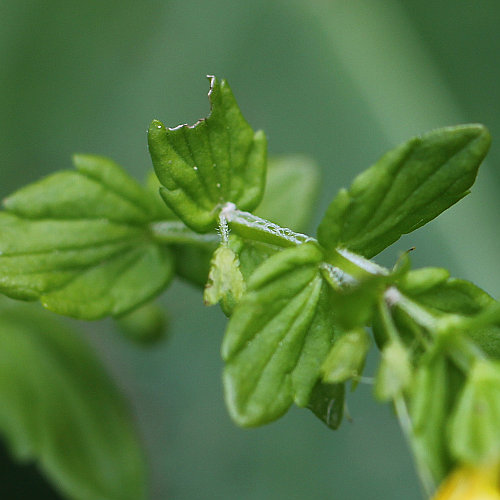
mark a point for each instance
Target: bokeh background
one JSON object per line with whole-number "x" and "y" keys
{"x": 339, "y": 80}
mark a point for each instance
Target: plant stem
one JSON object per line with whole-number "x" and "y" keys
{"x": 391, "y": 298}
{"x": 420, "y": 315}
{"x": 176, "y": 233}
{"x": 449, "y": 328}
{"x": 463, "y": 351}
{"x": 250, "y": 226}
{"x": 406, "y": 425}
{"x": 355, "y": 265}
{"x": 386, "y": 318}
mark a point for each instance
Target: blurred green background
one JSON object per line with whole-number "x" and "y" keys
{"x": 341, "y": 81}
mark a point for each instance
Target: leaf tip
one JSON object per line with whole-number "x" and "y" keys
{"x": 156, "y": 140}
{"x": 156, "y": 125}
{"x": 483, "y": 135}
{"x": 5, "y": 203}
{"x": 76, "y": 158}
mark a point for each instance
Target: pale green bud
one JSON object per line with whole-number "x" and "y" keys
{"x": 346, "y": 358}
{"x": 394, "y": 372}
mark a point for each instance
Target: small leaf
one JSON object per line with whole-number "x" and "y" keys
{"x": 405, "y": 189}
{"x": 61, "y": 409}
{"x": 79, "y": 242}
{"x": 291, "y": 191}
{"x": 456, "y": 296}
{"x": 422, "y": 280}
{"x": 327, "y": 403}
{"x": 225, "y": 281}
{"x": 217, "y": 160}
{"x": 277, "y": 337}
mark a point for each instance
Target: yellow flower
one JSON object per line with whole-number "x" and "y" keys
{"x": 470, "y": 483}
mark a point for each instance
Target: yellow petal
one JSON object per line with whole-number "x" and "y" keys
{"x": 470, "y": 483}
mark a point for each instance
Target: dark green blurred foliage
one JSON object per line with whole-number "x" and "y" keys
{"x": 23, "y": 481}
{"x": 339, "y": 81}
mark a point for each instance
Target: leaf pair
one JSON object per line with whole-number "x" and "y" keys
{"x": 220, "y": 160}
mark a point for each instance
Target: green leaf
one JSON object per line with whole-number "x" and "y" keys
{"x": 422, "y": 280}
{"x": 61, "y": 409}
{"x": 456, "y": 296}
{"x": 474, "y": 428}
{"x": 79, "y": 242}
{"x": 291, "y": 191}
{"x": 327, "y": 403}
{"x": 277, "y": 337}
{"x": 409, "y": 186}
{"x": 99, "y": 188}
{"x": 217, "y": 160}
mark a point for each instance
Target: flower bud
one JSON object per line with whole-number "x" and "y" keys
{"x": 475, "y": 423}
{"x": 346, "y": 358}
{"x": 145, "y": 325}
{"x": 394, "y": 372}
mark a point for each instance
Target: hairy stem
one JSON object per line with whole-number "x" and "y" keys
{"x": 250, "y": 226}
{"x": 355, "y": 265}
